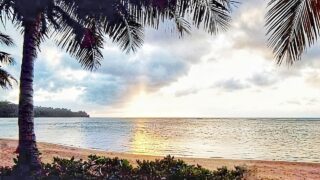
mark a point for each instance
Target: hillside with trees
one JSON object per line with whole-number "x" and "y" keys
{"x": 8, "y": 109}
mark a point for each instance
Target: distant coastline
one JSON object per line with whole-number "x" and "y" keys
{"x": 10, "y": 110}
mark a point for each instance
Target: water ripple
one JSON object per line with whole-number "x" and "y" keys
{"x": 268, "y": 139}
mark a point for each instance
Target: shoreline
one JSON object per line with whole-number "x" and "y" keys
{"x": 66, "y": 146}
{"x": 257, "y": 169}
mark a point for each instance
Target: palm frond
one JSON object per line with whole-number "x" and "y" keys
{"x": 81, "y": 41}
{"x": 112, "y": 18}
{"x": 124, "y": 20}
{"x": 6, "y": 79}
{"x": 183, "y": 26}
{"x": 5, "y": 39}
{"x": 293, "y": 25}
{"x": 126, "y": 32}
{"x": 212, "y": 15}
{"x": 5, "y": 58}
{"x": 79, "y": 25}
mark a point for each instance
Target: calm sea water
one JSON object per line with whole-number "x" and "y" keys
{"x": 265, "y": 139}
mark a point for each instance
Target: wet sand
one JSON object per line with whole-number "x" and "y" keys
{"x": 257, "y": 169}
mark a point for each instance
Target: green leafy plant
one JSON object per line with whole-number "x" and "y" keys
{"x": 97, "y": 168}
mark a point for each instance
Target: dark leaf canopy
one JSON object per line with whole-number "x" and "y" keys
{"x": 293, "y": 25}
{"x": 79, "y": 26}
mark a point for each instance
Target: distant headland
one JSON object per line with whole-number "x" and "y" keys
{"x": 8, "y": 109}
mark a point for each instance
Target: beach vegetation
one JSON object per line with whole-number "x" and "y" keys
{"x": 97, "y": 167}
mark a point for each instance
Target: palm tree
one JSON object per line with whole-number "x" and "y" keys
{"x": 5, "y": 78}
{"x": 78, "y": 26}
{"x": 293, "y": 26}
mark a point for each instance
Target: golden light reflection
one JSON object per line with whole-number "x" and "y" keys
{"x": 146, "y": 141}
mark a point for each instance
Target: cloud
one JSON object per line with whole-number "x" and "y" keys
{"x": 312, "y": 101}
{"x": 120, "y": 76}
{"x": 303, "y": 102}
{"x": 313, "y": 79}
{"x": 120, "y": 79}
{"x": 107, "y": 92}
{"x": 262, "y": 79}
{"x": 292, "y": 102}
{"x": 186, "y": 92}
{"x": 67, "y": 94}
{"x": 231, "y": 85}
{"x": 248, "y": 30}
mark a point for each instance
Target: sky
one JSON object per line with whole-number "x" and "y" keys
{"x": 232, "y": 74}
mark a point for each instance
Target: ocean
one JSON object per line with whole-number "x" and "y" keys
{"x": 229, "y": 138}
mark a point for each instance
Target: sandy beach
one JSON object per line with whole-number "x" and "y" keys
{"x": 257, "y": 169}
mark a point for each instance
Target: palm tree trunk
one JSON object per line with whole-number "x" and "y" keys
{"x": 28, "y": 160}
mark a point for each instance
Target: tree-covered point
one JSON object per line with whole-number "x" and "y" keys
{"x": 8, "y": 109}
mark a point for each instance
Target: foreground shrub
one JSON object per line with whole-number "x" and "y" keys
{"x": 97, "y": 168}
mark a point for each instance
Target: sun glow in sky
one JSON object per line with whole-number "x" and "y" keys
{"x": 229, "y": 75}
{"x": 139, "y": 105}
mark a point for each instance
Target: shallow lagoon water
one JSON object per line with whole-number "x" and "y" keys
{"x": 232, "y": 138}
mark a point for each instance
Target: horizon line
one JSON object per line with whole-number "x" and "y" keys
{"x": 222, "y": 117}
